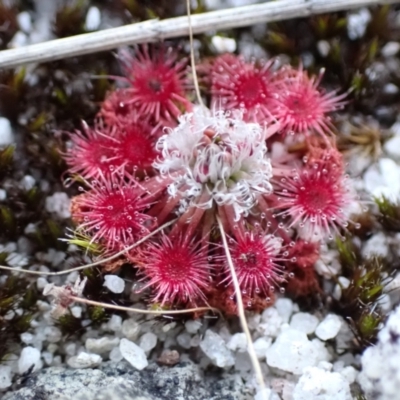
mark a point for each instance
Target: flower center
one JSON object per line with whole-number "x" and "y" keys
{"x": 315, "y": 198}
{"x": 155, "y": 85}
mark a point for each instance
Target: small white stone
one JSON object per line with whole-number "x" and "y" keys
{"x": 323, "y": 47}
{"x": 325, "y": 365}
{"x": 390, "y": 49}
{"x": 29, "y": 356}
{"x": 148, "y": 341}
{"x": 41, "y": 283}
{"x": 329, "y": 327}
{"x": 357, "y": 23}
{"x": 215, "y": 348}
{"x": 93, "y": 19}
{"x": 47, "y": 357}
{"x": 261, "y": 345}
{"x": 317, "y": 384}
{"x": 344, "y": 284}
{"x": 70, "y": 348}
{"x": 263, "y": 394}
{"x": 3, "y": 194}
{"x": 26, "y": 337}
{"x": 76, "y": 311}
{"x": 102, "y": 345}
{"x": 24, "y": 21}
{"x": 59, "y": 204}
{"x": 238, "y": 342}
{"x": 304, "y": 322}
{"x": 271, "y": 322}
{"x": 131, "y": 329}
{"x": 17, "y": 260}
{"x": 390, "y": 88}
{"x": 292, "y": 352}
{"x": 84, "y": 360}
{"x": 27, "y": 182}
{"x": 52, "y": 334}
{"x": 223, "y": 44}
{"x": 114, "y": 283}
{"x": 392, "y": 147}
{"x": 376, "y": 245}
{"x": 192, "y": 326}
{"x": 18, "y": 40}
{"x": 349, "y": 373}
{"x": 115, "y": 323}
{"x": 115, "y": 355}
{"x": 322, "y": 352}
{"x": 184, "y": 340}
{"x": 5, "y": 376}
{"x": 285, "y": 308}
{"x": 133, "y": 354}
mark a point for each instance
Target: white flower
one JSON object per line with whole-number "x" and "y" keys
{"x": 218, "y": 157}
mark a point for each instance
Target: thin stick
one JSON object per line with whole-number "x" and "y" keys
{"x": 93, "y": 264}
{"x": 192, "y": 61}
{"x": 155, "y": 30}
{"x": 139, "y": 310}
{"x": 242, "y": 316}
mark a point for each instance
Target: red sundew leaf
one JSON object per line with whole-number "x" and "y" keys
{"x": 237, "y": 84}
{"x": 113, "y": 212}
{"x": 302, "y": 107}
{"x": 157, "y": 83}
{"x": 176, "y": 270}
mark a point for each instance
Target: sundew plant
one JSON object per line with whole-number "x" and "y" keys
{"x": 259, "y": 161}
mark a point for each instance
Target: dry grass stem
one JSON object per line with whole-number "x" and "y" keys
{"x": 242, "y": 316}
{"x": 155, "y": 30}
{"x": 95, "y": 263}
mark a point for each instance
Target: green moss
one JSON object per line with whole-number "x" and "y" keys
{"x": 389, "y": 213}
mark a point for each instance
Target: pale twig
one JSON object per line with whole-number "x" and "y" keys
{"x": 155, "y": 30}
{"x": 141, "y": 311}
{"x": 93, "y": 264}
{"x": 192, "y": 60}
{"x": 240, "y": 307}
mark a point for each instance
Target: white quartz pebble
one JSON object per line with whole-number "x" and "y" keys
{"x": 329, "y": 327}
{"x": 131, "y": 329}
{"x": 184, "y": 340}
{"x": 238, "y": 342}
{"x": 284, "y": 307}
{"x": 93, "y": 19}
{"x": 192, "y": 326}
{"x": 114, "y": 283}
{"x": 319, "y": 384}
{"x": 148, "y": 341}
{"x": 390, "y": 49}
{"x": 59, "y": 203}
{"x": 29, "y": 357}
{"x": 261, "y": 345}
{"x": 304, "y": 322}
{"x": 102, "y": 345}
{"x": 84, "y": 360}
{"x": 6, "y": 134}
{"x": 134, "y": 354}
{"x": 292, "y": 352}
{"x": 24, "y": 21}
{"x": 223, "y": 44}
{"x": 115, "y": 323}
{"x": 5, "y": 376}
{"x": 115, "y": 355}
{"x": 216, "y": 350}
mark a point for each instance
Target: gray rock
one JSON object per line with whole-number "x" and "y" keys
{"x": 119, "y": 381}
